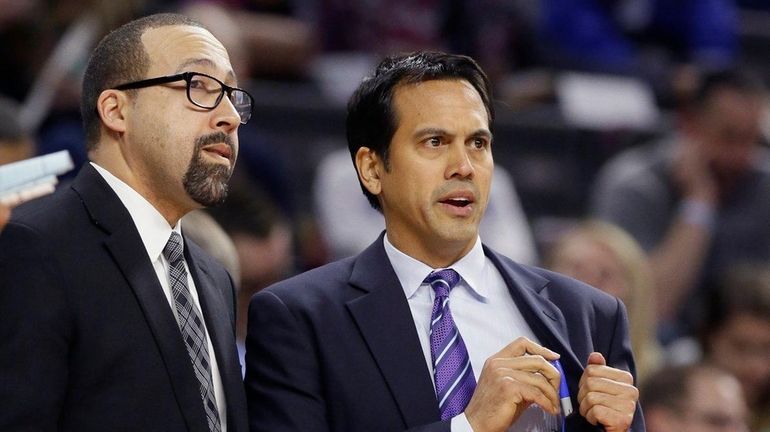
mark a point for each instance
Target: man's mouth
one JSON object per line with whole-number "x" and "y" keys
{"x": 457, "y": 202}
{"x": 219, "y": 151}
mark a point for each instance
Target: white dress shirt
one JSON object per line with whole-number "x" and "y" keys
{"x": 483, "y": 312}
{"x": 155, "y": 232}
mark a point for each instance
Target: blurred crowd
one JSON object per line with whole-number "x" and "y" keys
{"x": 656, "y": 191}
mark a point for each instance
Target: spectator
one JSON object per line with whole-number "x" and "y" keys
{"x": 693, "y": 398}
{"x": 606, "y": 257}
{"x": 736, "y": 336}
{"x": 697, "y": 201}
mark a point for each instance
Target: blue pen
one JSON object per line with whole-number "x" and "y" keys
{"x": 566, "y": 402}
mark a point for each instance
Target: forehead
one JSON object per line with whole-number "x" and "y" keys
{"x": 174, "y": 49}
{"x": 435, "y": 99}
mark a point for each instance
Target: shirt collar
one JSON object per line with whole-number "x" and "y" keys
{"x": 153, "y": 228}
{"x": 411, "y": 272}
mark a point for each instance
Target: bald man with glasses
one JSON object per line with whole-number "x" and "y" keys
{"x": 110, "y": 319}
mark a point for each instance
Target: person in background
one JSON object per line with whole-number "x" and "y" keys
{"x": 693, "y": 398}
{"x": 697, "y": 201}
{"x": 606, "y": 257}
{"x": 428, "y": 329}
{"x": 110, "y": 319}
{"x": 262, "y": 241}
{"x": 736, "y": 335}
{"x": 204, "y": 230}
{"x": 15, "y": 143}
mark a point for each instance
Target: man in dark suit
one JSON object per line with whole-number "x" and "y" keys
{"x": 428, "y": 329}
{"x": 109, "y": 318}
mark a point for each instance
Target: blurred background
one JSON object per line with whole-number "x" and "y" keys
{"x": 576, "y": 83}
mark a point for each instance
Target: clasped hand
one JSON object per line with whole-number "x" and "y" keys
{"x": 520, "y": 375}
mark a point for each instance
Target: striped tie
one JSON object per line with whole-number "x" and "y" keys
{"x": 191, "y": 324}
{"x": 451, "y": 365}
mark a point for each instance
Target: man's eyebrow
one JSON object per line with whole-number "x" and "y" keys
{"x": 430, "y": 131}
{"x": 480, "y": 133}
{"x": 202, "y": 62}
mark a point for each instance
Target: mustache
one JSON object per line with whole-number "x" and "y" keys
{"x": 454, "y": 185}
{"x": 214, "y": 138}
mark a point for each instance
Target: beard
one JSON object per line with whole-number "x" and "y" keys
{"x": 206, "y": 183}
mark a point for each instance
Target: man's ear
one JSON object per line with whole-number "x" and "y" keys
{"x": 369, "y": 166}
{"x": 112, "y": 106}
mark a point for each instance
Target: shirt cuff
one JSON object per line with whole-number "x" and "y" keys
{"x": 459, "y": 423}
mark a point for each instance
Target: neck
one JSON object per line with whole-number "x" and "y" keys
{"x": 436, "y": 254}
{"x": 112, "y": 160}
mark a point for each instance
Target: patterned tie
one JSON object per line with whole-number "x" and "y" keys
{"x": 191, "y": 324}
{"x": 452, "y": 369}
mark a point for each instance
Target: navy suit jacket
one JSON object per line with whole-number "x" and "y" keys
{"x": 336, "y": 349}
{"x": 88, "y": 341}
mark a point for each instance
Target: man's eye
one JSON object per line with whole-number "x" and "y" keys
{"x": 197, "y": 84}
{"x": 434, "y": 141}
{"x": 479, "y": 143}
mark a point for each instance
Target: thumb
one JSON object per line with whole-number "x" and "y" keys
{"x": 596, "y": 358}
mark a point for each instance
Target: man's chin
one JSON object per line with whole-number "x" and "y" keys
{"x": 213, "y": 196}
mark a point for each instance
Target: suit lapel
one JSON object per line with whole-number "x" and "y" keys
{"x": 217, "y": 317}
{"x": 124, "y": 244}
{"x": 385, "y": 321}
{"x": 544, "y": 318}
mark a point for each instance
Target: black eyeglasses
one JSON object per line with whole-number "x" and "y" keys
{"x": 203, "y": 91}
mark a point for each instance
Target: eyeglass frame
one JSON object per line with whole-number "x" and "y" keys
{"x": 187, "y": 78}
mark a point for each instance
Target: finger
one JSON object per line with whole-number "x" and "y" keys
{"x": 528, "y": 388}
{"x": 606, "y": 386}
{"x": 610, "y": 413}
{"x": 533, "y": 364}
{"x": 605, "y": 373}
{"x": 522, "y": 346}
{"x": 596, "y": 358}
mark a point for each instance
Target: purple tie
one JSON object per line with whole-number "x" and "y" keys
{"x": 451, "y": 365}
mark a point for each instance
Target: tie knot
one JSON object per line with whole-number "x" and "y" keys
{"x": 174, "y": 249}
{"x": 442, "y": 281}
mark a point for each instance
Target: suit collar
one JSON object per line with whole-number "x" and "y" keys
{"x": 385, "y": 321}
{"x": 123, "y": 242}
{"x": 153, "y": 228}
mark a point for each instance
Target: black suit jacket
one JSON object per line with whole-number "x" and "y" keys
{"x": 88, "y": 341}
{"x": 336, "y": 349}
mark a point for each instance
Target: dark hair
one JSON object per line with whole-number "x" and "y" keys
{"x": 739, "y": 80}
{"x": 670, "y": 387}
{"x": 119, "y": 57}
{"x": 371, "y": 120}
{"x": 743, "y": 289}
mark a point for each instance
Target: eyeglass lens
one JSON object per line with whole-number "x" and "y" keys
{"x": 207, "y": 92}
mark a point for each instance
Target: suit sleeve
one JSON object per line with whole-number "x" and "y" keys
{"x": 284, "y": 388}
{"x": 283, "y": 383}
{"x": 620, "y": 356}
{"x": 34, "y": 332}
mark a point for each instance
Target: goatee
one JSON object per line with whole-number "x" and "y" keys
{"x": 204, "y": 182}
